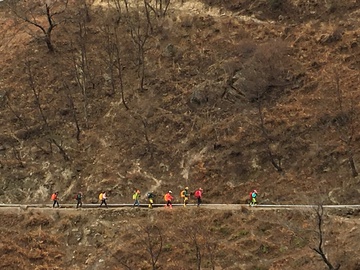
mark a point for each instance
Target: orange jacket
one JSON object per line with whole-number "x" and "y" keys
{"x": 168, "y": 197}
{"x": 54, "y": 197}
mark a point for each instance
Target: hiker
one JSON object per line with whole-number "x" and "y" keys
{"x": 185, "y": 195}
{"x": 103, "y": 198}
{"x": 168, "y": 198}
{"x": 55, "y": 199}
{"x": 150, "y": 197}
{"x": 78, "y": 198}
{"x": 136, "y": 197}
{"x": 253, "y": 195}
{"x": 198, "y": 195}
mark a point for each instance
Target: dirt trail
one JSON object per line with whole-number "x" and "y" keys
{"x": 225, "y": 207}
{"x": 198, "y": 8}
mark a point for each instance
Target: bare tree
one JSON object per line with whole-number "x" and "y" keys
{"x": 312, "y": 236}
{"x": 40, "y": 14}
{"x": 261, "y": 80}
{"x": 150, "y": 247}
{"x": 113, "y": 32}
{"x": 73, "y": 111}
{"x": 154, "y": 243}
{"x": 36, "y": 93}
{"x": 204, "y": 247}
{"x": 23, "y": 123}
{"x": 194, "y": 238}
{"x": 119, "y": 67}
{"x": 274, "y": 159}
{"x": 159, "y": 7}
{"x": 81, "y": 62}
{"x": 140, "y": 33}
{"x": 211, "y": 248}
{"x": 145, "y": 125}
{"x": 345, "y": 123}
{"x": 110, "y": 50}
{"x": 319, "y": 211}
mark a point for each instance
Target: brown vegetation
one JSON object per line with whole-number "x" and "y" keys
{"x": 180, "y": 238}
{"x": 226, "y": 95}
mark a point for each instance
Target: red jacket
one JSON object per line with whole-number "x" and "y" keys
{"x": 198, "y": 193}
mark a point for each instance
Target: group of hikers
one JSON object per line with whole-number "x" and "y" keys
{"x": 185, "y": 195}
{"x": 168, "y": 197}
{"x": 55, "y": 199}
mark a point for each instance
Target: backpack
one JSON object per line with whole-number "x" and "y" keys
{"x": 53, "y": 197}
{"x": 197, "y": 193}
{"x": 135, "y": 196}
{"x": 182, "y": 194}
{"x": 78, "y": 197}
{"x": 150, "y": 195}
{"x": 100, "y": 197}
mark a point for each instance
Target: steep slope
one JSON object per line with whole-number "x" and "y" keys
{"x": 130, "y": 238}
{"x": 235, "y": 96}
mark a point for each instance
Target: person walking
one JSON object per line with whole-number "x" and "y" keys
{"x": 168, "y": 199}
{"x": 185, "y": 195}
{"x": 198, "y": 195}
{"x": 55, "y": 199}
{"x": 136, "y": 198}
{"x": 253, "y": 196}
{"x": 150, "y": 197}
{"x": 103, "y": 198}
{"x": 79, "y": 199}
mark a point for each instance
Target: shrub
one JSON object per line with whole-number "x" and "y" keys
{"x": 276, "y": 4}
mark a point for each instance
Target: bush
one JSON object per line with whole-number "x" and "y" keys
{"x": 275, "y": 4}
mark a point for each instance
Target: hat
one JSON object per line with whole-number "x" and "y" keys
{"x": 187, "y": 188}
{"x": 170, "y": 191}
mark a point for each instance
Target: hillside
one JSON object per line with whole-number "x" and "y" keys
{"x": 181, "y": 238}
{"x": 225, "y": 95}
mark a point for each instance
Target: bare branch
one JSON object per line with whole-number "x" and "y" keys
{"x": 319, "y": 211}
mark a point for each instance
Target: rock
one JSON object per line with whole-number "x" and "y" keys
{"x": 330, "y": 38}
